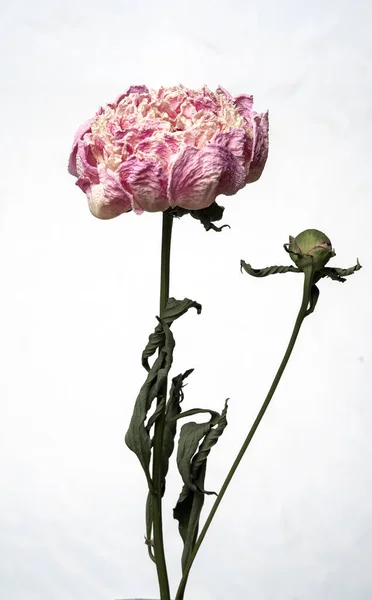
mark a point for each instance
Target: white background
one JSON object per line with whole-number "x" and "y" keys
{"x": 79, "y": 297}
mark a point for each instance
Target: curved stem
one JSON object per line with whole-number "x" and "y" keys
{"x": 300, "y": 317}
{"x": 161, "y": 566}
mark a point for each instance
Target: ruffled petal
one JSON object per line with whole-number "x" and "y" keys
{"x": 261, "y": 147}
{"x": 221, "y": 91}
{"x": 238, "y": 142}
{"x": 108, "y": 198}
{"x": 198, "y": 176}
{"x": 86, "y": 164}
{"x": 244, "y": 104}
{"x": 147, "y": 182}
{"x": 134, "y": 89}
{"x": 83, "y": 129}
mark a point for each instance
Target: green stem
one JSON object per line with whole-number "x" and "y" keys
{"x": 165, "y": 261}
{"x": 159, "y": 553}
{"x": 300, "y": 318}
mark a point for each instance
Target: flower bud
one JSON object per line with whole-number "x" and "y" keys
{"x": 311, "y": 248}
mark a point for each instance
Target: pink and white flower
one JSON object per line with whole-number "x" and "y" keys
{"x": 155, "y": 149}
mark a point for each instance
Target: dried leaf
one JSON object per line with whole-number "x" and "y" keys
{"x": 173, "y": 409}
{"x": 194, "y": 446}
{"x": 174, "y": 310}
{"x": 138, "y": 436}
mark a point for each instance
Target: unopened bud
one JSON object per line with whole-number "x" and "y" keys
{"x": 311, "y": 248}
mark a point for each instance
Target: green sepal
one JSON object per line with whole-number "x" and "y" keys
{"x": 338, "y": 274}
{"x": 207, "y": 216}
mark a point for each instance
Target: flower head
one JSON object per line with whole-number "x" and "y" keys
{"x": 310, "y": 248}
{"x": 155, "y": 149}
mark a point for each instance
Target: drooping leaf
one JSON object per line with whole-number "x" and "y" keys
{"x": 138, "y": 435}
{"x": 173, "y": 409}
{"x": 187, "y": 512}
{"x": 196, "y": 411}
{"x": 177, "y": 308}
{"x": 350, "y": 271}
{"x": 314, "y": 297}
{"x": 174, "y": 310}
{"x": 267, "y": 271}
{"x": 333, "y": 273}
{"x": 339, "y": 274}
{"x": 209, "y": 441}
{"x": 191, "y": 435}
{"x": 194, "y": 446}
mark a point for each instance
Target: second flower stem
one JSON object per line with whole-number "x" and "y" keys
{"x": 159, "y": 553}
{"x": 308, "y": 281}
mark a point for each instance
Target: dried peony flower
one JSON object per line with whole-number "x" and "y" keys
{"x": 155, "y": 149}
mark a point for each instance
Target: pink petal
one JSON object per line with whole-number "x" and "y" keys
{"x": 86, "y": 164}
{"x": 83, "y": 183}
{"x": 134, "y": 89}
{"x": 261, "y": 147}
{"x": 198, "y": 176}
{"x": 147, "y": 182}
{"x": 238, "y": 142}
{"x": 244, "y": 105}
{"x": 221, "y": 91}
{"x": 83, "y": 129}
{"x": 108, "y": 198}
{"x": 155, "y": 149}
